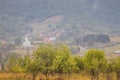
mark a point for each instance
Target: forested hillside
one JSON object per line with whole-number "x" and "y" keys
{"x": 96, "y": 16}
{"x": 12, "y": 27}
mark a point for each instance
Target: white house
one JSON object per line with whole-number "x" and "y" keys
{"x": 27, "y": 43}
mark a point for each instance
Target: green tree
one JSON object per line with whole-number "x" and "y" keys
{"x": 63, "y": 61}
{"x": 80, "y": 65}
{"x": 46, "y": 53}
{"x": 17, "y": 63}
{"x": 95, "y": 62}
{"x": 12, "y": 62}
{"x": 35, "y": 66}
{"x": 25, "y": 64}
{"x": 5, "y": 53}
{"x": 116, "y": 65}
{"x": 109, "y": 69}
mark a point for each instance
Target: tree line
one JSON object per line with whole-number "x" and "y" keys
{"x": 50, "y": 60}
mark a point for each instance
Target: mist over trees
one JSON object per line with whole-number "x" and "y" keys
{"x": 99, "y": 16}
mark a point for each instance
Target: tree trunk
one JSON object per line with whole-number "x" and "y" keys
{"x": 41, "y": 78}
{"x": 69, "y": 74}
{"x": 47, "y": 76}
{"x": 60, "y": 76}
{"x": 34, "y": 76}
{"x": 92, "y": 77}
{"x": 97, "y": 77}
{"x": 108, "y": 76}
{"x": 118, "y": 75}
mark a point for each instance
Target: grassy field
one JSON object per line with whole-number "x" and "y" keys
{"x": 19, "y": 76}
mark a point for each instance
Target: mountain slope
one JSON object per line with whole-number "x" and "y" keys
{"x": 12, "y": 27}
{"x": 98, "y": 16}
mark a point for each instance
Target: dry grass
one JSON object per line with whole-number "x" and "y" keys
{"x": 10, "y": 76}
{"x": 22, "y": 76}
{"x": 115, "y": 39}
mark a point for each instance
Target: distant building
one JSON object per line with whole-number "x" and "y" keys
{"x": 27, "y": 43}
{"x": 52, "y": 38}
{"x": 58, "y": 34}
{"x": 46, "y": 40}
{"x": 117, "y": 52}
